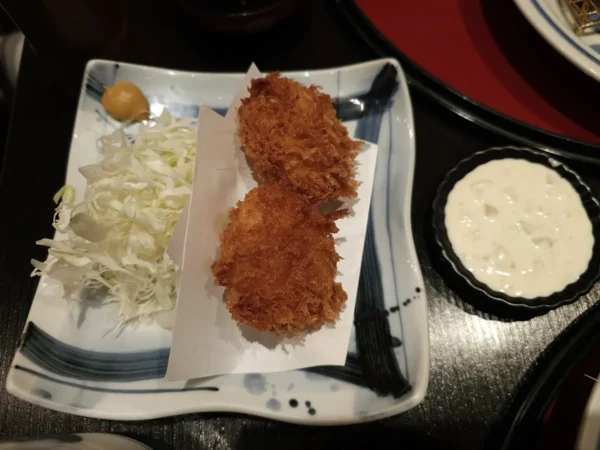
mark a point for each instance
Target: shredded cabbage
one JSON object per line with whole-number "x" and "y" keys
{"x": 116, "y": 238}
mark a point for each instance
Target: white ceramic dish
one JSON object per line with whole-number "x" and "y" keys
{"x": 589, "y": 431}
{"x": 554, "y": 23}
{"x": 69, "y": 361}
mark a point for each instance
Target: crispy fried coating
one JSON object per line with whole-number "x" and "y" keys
{"x": 278, "y": 263}
{"x": 292, "y": 135}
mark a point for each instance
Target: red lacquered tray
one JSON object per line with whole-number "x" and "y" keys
{"x": 488, "y": 52}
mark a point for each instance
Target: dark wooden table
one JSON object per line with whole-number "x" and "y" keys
{"x": 477, "y": 359}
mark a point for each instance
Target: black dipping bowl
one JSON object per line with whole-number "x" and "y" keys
{"x": 570, "y": 293}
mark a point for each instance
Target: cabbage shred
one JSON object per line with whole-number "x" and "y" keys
{"x": 115, "y": 238}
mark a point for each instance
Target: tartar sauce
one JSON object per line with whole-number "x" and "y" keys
{"x": 519, "y": 227}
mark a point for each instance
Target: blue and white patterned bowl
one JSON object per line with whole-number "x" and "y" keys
{"x": 70, "y": 361}
{"x": 554, "y": 22}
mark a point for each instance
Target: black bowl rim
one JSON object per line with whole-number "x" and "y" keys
{"x": 572, "y": 291}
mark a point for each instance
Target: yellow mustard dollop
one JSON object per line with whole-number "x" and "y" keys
{"x": 125, "y": 101}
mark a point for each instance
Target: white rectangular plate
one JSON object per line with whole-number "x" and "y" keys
{"x": 70, "y": 361}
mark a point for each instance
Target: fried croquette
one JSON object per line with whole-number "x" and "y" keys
{"x": 292, "y": 136}
{"x": 278, "y": 263}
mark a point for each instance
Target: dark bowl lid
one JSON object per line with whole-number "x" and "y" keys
{"x": 572, "y": 291}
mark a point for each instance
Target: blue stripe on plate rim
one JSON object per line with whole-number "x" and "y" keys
{"x": 580, "y": 48}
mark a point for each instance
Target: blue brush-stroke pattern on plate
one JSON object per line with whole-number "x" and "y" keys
{"x": 373, "y": 365}
{"x": 377, "y": 361}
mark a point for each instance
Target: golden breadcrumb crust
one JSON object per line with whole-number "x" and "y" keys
{"x": 278, "y": 263}
{"x": 292, "y": 136}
